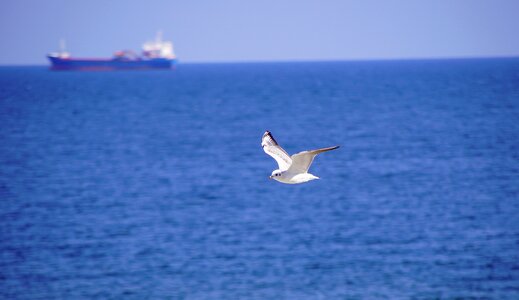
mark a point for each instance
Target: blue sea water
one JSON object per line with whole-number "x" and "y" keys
{"x": 153, "y": 185}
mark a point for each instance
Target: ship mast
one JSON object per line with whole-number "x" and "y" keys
{"x": 62, "y": 53}
{"x": 158, "y": 38}
{"x": 62, "y": 45}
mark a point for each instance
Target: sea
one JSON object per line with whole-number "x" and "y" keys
{"x": 154, "y": 185}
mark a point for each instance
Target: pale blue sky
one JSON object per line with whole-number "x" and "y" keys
{"x": 267, "y": 30}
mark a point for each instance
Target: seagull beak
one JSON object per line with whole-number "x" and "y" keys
{"x": 270, "y": 177}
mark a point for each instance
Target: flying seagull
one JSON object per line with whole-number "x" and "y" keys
{"x": 292, "y": 169}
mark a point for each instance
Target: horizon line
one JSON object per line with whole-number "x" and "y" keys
{"x": 260, "y": 61}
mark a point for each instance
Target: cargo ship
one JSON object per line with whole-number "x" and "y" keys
{"x": 155, "y": 54}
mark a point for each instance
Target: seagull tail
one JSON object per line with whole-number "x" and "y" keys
{"x": 312, "y": 177}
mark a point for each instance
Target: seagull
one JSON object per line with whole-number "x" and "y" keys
{"x": 292, "y": 169}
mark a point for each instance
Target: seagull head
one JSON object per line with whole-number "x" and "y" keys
{"x": 275, "y": 174}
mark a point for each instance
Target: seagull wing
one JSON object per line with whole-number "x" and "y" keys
{"x": 272, "y": 148}
{"x": 301, "y": 161}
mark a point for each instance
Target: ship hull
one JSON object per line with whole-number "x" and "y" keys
{"x": 79, "y": 64}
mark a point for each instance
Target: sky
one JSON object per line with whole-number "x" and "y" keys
{"x": 267, "y": 30}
